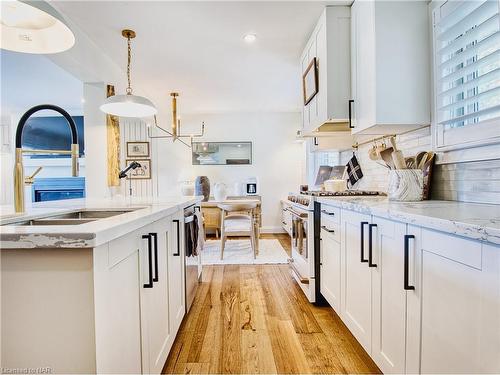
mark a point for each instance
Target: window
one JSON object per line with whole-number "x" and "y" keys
{"x": 319, "y": 159}
{"x": 466, "y": 37}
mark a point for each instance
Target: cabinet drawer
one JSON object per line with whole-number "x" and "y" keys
{"x": 330, "y": 231}
{"x": 330, "y": 213}
{"x": 120, "y": 248}
{"x": 468, "y": 252}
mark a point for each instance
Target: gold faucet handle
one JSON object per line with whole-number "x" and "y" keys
{"x": 31, "y": 179}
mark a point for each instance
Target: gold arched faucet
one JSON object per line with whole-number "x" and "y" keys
{"x": 19, "y": 167}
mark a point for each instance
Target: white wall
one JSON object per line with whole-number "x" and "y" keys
{"x": 277, "y": 159}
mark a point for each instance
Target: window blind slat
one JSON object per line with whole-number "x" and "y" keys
{"x": 451, "y": 12}
{"x": 471, "y": 100}
{"x": 463, "y": 72}
{"x": 485, "y": 29}
{"x": 471, "y": 115}
{"x": 461, "y": 58}
{"x": 479, "y": 15}
{"x": 483, "y": 79}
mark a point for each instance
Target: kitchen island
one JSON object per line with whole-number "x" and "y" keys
{"x": 93, "y": 286}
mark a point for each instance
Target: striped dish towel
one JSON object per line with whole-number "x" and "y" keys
{"x": 354, "y": 172}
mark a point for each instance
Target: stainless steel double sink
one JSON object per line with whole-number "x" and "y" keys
{"x": 74, "y": 218}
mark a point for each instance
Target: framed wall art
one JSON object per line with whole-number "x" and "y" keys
{"x": 140, "y": 173}
{"x": 310, "y": 81}
{"x": 137, "y": 149}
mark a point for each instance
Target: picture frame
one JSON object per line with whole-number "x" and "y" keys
{"x": 137, "y": 149}
{"x": 310, "y": 81}
{"x": 141, "y": 173}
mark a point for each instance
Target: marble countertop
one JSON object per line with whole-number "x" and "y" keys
{"x": 91, "y": 234}
{"x": 471, "y": 220}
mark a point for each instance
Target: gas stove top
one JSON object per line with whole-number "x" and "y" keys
{"x": 345, "y": 193}
{"x": 306, "y": 199}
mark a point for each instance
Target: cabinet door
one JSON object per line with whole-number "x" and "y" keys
{"x": 330, "y": 270}
{"x": 320, "y": 107}
{"x": 176, "y": 284}
{"x": 363, "y": 63}
{"x": 389, "y": 294}
{"x": 356, "y": 278}
{"x": 118, "y": 305}
{"x": 158, "y": 333}
{"x": 457, "y": 304}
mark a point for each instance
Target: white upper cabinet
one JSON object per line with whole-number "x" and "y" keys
{"x": 329, "y": 48}
{"x": 390, "y": 73}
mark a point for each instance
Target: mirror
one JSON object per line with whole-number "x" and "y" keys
{"x": 222, "y": 153}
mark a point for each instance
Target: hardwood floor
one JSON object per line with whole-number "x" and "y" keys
{"x": 255, "y": 319}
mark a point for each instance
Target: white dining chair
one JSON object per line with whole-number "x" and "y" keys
{"x": 237, "y": 220}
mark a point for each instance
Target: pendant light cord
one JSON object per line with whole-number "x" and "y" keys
{"x": 129, "y": 56}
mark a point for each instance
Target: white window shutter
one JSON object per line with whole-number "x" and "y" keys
{"x": 467, "y": 62}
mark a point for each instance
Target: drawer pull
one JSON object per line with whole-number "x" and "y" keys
{"x": 407, "y": 285}
{"x": 363, "y": 260}
{"x": 370, "y": 245}
{"x": 149, "y": 284}
{"x": 351, "y": 102}
{"x": 328, "y": 230}
{"x": 155, "y": 242}
{"x": 328, "y": 212}
{"x": 178, "y": 253}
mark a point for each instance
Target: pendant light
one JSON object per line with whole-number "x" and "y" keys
{"x": 175, "y": 132}
{"x": 33, "y": 27}
{"x": 128, "y": 105}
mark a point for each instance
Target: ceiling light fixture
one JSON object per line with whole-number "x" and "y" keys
{"x": 33, "y": 27}
{"x": 175, "y": 132}
{"x": 250, "y": 38}
{"x": 128, "y": 105}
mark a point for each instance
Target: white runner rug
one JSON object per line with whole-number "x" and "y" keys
{"x": 240, "y": 252}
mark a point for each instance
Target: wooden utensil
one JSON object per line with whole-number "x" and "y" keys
{"x": 381, "y": 147}
{"x": 410, "y": 162}
{"x": 427, "y": 156}
{"x": 397, "y": 156}
{"x": 418, "y": 158}
{"x": 386, "y": 156}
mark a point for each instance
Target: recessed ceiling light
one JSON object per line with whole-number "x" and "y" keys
{"x": 250, "y": 38}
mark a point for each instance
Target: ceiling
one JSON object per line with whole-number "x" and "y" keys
{"x": 197, "y": 49}
{"x": 29, "y": 80}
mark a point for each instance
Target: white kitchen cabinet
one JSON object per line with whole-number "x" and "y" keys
{"x": 139, "y": 309}
{"x": 117, "y": 296}
{"x": 176, "y": 278}
{"x": 329, "y": 44}
{"x": 390, "y": 73}
{"x": 418, "y": 300}
{"x": 454, "y": 314}
{"x": 330, "y": 267}
{"x": 157, "y": 333}
{"x": 356, "y": 277}
{"x": 389, "y": 295}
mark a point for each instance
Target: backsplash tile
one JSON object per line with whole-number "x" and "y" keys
{"x": 477, "y": 181}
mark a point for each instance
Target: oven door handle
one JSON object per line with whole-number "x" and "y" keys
{"x": 300, "y": 216}
{"x": 303, "y": 280}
